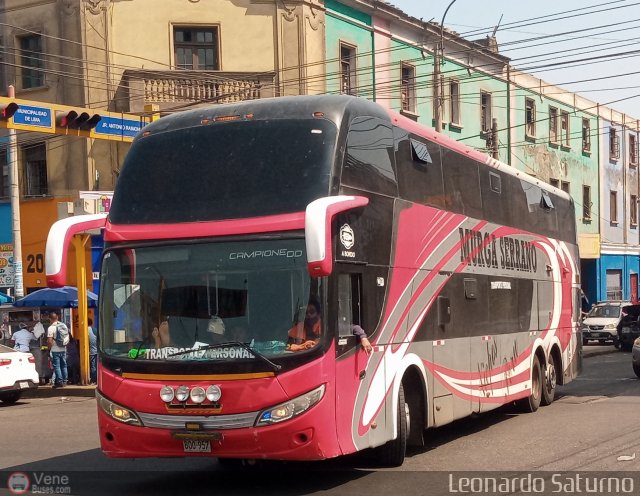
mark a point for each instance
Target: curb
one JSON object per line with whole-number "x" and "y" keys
{"x": 69, "y": 391}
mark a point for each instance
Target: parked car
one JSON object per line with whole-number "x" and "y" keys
{"x": 629, "y": 326}
{"x": 601, "y": 323}
{"x": 17, "y": 374}
{"x": 635, "y": 356}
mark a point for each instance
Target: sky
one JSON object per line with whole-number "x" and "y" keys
{"x": 601, "y": 62}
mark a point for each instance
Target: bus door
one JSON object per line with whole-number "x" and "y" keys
{"x": 354, "y": 368}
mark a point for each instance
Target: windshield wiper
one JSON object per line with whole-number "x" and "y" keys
{"x": 245, "y": 346}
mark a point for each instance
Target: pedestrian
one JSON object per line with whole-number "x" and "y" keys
{"x": 22, "y": 338}
{"x": 57, "y": 340}
{"x": 93, "y": 353}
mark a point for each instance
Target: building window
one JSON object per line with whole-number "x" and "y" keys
{"x": 614, "y": 284}
{"x": 554, "y": 182}
{"x": 485, "y": 108}
{"x": 613, "y": 207}
{"x": 348, "y": 69}
{"x": 633, "y": 150}
{"x": 196, "y": 48}
{"x": 564, "y": 186}
{"x": 633, "y": 210}
{"x": 564, "y": 128}
{"x": 586, "y": 135}
{"x": 408, "y": 95}
{"x": 586, "y": 202}
{"x": 614, "y": 144}
{"x": 454, "y": 93}
{"x": 553, "y": 124}
{"x": 35, "y": 170}
{"x": 31, "y": 61}
{"x": 530, "y": 117}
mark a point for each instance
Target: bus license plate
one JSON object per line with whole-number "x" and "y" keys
{"x": 196, "y": 445}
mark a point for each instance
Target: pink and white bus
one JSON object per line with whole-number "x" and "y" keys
{"x": 227, "y": 221}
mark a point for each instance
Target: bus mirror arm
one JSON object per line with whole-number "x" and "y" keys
{"x": 317, "y": 228}
{"x": 58, "y": 241}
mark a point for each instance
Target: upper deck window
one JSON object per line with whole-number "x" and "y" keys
{"x": 369, "y": 163}
{"x": 227, "y": 170}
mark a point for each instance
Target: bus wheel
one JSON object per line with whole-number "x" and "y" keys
{"x": 532, "y": 402}
{"x": 550, "y": 381}
{"x": 392, "y": 453}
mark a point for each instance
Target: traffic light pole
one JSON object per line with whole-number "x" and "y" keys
{"x": 15, "y": 208}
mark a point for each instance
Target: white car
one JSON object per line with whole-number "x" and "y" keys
{"x": 17, "y": 374}
{"x": 601, "y": 323}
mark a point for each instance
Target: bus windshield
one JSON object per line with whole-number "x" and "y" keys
{"x": 204, "y": 301}
{"x": 227, "y": 170}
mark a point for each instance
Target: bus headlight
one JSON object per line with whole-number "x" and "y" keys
{"x": 167, "y": 394}
{"x": 182, "y": 393}
{"x": 291, "y": 408}
{"x": 117, "y": 412}
{"x": 197, "y": 394}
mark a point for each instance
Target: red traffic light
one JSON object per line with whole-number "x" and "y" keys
{"x": 75, "y": 120}
{"x": 7, "y": 111}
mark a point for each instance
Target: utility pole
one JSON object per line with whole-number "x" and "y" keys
{"x": 15, "y": 208}
{"x": 438, "y": 59}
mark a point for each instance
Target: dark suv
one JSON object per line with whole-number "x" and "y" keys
{"x": 629, "y": 327}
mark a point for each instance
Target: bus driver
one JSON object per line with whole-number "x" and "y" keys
{"x": 304, "y": 336}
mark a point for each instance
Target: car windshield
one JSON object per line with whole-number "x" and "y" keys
{"x": 204, "y": 301}
{"x": 610, "y": 311}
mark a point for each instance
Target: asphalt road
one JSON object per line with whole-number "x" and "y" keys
{"x": 591, "y": 427}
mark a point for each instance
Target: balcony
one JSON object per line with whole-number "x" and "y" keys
{"x": 176, "y": 89}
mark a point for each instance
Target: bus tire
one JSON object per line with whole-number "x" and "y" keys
{"x": 550, "y": 381}
{"x": 532, "y": 402}
{"x": 392, "y": 453}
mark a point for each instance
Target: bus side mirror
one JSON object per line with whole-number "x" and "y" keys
{"x": 317, "y": 230}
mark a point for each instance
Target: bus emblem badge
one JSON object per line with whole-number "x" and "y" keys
{"x": 346, "y": 236}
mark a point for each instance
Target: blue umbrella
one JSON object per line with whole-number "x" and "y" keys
{"x": 64, "y": 297}
{"x": 4, "y": 298}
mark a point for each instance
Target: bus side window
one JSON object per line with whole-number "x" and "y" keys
{"x": 369, "y": 160}
{"x": 349, "y": 299}
{"x": 461, "y": 184}
{"x": 419, "y": 169}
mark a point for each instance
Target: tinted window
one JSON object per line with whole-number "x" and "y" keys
{"x": 225, "y": 171}
{"x": 495, "y": 195}
{"x": 369, "y": 158}
{"x": 535, "y": 216}
{"x": 461, "y": 184}
{"x": 419, "y": 169}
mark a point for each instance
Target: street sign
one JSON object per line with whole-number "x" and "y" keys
{"x": 28, "y": 117}
{"x": 117, "y": 126}
{"x": 70, "y": 121}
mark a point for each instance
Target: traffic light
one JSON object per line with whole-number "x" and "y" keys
{"x": 74, "y": 120}
{"x": 7, "y": 110}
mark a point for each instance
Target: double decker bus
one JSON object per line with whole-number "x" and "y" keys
{"x": 227, "y": 222}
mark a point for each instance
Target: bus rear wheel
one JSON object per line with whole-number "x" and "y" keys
{"x": 392, "y": 453}
{"x": 550, "y": 381}
{"x": 532, "y": 402}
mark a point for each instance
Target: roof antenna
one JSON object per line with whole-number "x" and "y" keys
{"x": 497, "y": 26}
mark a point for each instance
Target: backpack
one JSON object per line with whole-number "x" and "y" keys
{"x": 62, "y": 335}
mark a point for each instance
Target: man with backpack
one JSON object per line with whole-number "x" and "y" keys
{"x": 58, "y": 339}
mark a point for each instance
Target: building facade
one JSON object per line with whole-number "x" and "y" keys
{"x": 146, "y": 56}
